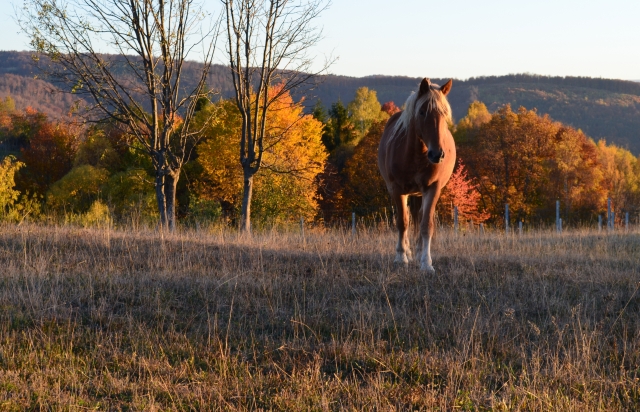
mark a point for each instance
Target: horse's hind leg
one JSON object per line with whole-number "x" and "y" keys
{"x": 427, "y": 226}
{"x": 415, "y": 206}
{"x": 403, "y": 253}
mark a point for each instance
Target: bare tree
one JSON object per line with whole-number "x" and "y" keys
{"x": 269, "y": 42}
{"x": 141, "y": 87}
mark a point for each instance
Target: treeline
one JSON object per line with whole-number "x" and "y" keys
{"x": 611, "y": 85}
{"x": 602, "y": 108}
{"x": 320, "y": 167}
{"x": 528, "y": 161}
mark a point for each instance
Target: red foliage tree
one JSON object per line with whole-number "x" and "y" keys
{"x": 48, "y": 156}
{"x": 390, "y": 108}
{"x": 461, "y": 191}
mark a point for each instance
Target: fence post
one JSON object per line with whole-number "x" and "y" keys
{"x": 482, "y": 228}
{"x": 613, "y": 221}
{"x": 455, "y": 218}
{"x": 506, "y": 218}
{"x": 626, "y": 221}
{"x": 560, "y": 225}
{"x": 558, "y": 230}
{"x": 520, "y": 228}
{"x": 609, "y": 220}
{"x": 353, "y": 223}
{"x": 302, "y": 227}
{"x": 599, "y": 223}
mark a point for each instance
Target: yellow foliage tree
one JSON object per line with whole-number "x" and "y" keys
{"x": 293, "y": 156}
{"x": 365, "y": 110}
{"x": 8, "y": 196}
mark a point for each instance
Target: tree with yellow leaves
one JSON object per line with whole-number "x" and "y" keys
{"x": 293, "y": 156}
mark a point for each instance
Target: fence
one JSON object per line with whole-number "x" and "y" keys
{"x": 388, "y": 222}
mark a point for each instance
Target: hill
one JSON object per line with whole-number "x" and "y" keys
{"x": 602, "y": 108}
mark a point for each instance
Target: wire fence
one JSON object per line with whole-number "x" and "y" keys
{"x": 385, "y": 219}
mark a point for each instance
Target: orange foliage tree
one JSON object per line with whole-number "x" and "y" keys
{"x": 293, "y": 156}
{"x": 461, "y": 191}
{"x": 507, "y": 155}
{"x": 620, "y": 171}
{"x": 529, "y": 162}
{"x": 363, "y": 189}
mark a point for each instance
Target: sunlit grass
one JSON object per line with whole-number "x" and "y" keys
{"x": 199, "y": 320}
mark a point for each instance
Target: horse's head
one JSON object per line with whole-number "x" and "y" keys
{"x": 432, "y": 115}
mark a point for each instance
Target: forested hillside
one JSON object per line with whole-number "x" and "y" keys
{"x": 602, "y": 108}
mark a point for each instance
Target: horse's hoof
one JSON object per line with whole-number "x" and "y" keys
{"x": 427, "y": 268}
{"x": 401, "y": 258}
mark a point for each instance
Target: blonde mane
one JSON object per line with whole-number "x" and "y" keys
{"x": 435, "y": 100}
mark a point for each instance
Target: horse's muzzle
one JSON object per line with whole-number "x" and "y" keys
{"x": 435, "y": 156}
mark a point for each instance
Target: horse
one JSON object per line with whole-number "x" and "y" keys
{"x": 416, "y": 157}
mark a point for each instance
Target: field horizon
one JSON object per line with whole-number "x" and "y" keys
{"x": 209, "y": 319}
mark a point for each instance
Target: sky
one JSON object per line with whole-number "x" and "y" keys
{"x": 464, "y": 38}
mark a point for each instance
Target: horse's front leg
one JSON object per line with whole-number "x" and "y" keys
{"x": 427, "y": 226}
{"x": 403, "y": 252}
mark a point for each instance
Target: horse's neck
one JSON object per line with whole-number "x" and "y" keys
{"x": 411, "y": 136}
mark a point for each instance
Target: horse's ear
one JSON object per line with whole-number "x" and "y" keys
{"x": 425, "y": 86}
{"x": 446, "y": 88}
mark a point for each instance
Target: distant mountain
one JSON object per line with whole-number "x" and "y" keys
{"x": 602, "y": 108}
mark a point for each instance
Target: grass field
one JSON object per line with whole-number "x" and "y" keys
{"x": 117, "y": 320}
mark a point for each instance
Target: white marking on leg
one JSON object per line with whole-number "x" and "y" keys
{"x": 425, "y": 260}
{"x": 426, "y": 229}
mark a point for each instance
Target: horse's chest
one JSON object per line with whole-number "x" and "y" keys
{"x": 414, "y": 176}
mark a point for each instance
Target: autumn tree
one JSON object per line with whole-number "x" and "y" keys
{"x": 390, "y": 108}
{"x": 8, "y": 195}
{"x": 364, "y": 190}
{"x": 293, "y": 157}
{"x": 364, "y": 110}
{"x": 268, "y": 43}
{"x": 508, "y": 155}
{"x": 153, "y": 39}
{"x": 17, "y": 127}
{"x": 576, "y": 177}
{"x": 461, "y": 192}
{"x": 620, "y": 178}
{"x": 477, "y": 115}
{"x": 48, "y": 156}
{"x": 217, "y": 173}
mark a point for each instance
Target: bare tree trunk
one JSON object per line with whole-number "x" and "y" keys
{"x": 170, "y": 185}
{"x": 247, "y": 194}
{"x": 161, "y": 199}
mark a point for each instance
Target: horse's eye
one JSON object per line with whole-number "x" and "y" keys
{"x": 422, "y": 113}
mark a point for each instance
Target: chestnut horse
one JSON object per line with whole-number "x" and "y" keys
{"x": 416, "y": 157}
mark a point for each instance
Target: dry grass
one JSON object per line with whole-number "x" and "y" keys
{"x": 205, "y": 321}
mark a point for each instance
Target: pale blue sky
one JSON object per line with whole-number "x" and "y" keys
{"x": 464, "y": 38}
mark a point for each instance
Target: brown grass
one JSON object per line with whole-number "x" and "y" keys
{"x": 121, "y": 320}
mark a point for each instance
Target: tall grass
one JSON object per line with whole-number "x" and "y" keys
{"x": 110, "y": 320}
